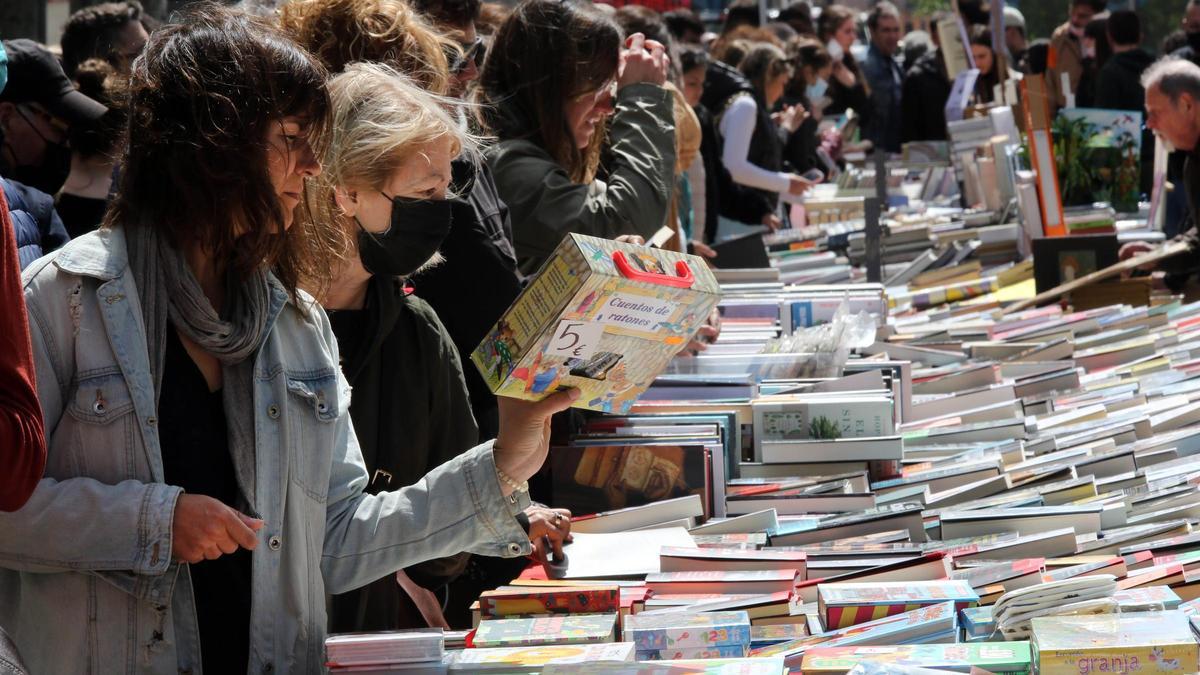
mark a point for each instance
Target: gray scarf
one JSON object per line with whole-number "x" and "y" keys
{"x": 167, "y": 288}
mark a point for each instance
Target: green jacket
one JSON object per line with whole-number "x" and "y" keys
{"x": 545, "y": 204}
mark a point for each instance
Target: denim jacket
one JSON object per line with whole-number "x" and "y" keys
{"x": 87, "y": 583}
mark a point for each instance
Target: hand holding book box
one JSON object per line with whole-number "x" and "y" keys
{"x": 602, "y": 316}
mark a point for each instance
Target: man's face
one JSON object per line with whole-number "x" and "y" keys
{"x": 129, "y": 43}
{"x": 467, "y": 72}
{"x": 1081, "y": 15}
{"x": 28, "y": 131}
{"x": 1175, "y": 122}
{"x": 1191, "y": 19}
{"x": 886, "y": 34}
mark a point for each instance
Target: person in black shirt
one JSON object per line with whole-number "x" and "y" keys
{"x": 83, "y": 199}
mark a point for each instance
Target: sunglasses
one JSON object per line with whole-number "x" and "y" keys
{"x": 473, "y": 52}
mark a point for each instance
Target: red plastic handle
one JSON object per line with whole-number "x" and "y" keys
{"x": 685, "y": 279}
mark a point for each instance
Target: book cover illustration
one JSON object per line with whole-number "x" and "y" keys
{"x": 603, "y": 478}
{"x": 1148, "y": 598}
{"x": 977, "y": 622}
{"x": 545, "y": 655}
{"x": 1142, "y": 641}
{"x": 927, "y": 624}
{"x": 678, "y": 630}
{"x": 714, "y": 652}
{"x": 558, "y": 629}
{"x": 600, "y": 315}
{"x": 566, "y": 600}
{"x": 849, "y": 604}
{"x": 1007, "y": 658}
{"x": 822, "y": 420}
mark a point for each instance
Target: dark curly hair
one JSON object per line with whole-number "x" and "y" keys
{"x": 203, "y": 98}
{"x": 92, "y": 32}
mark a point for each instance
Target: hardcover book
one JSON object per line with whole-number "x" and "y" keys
{"x": 549, "y": 630}
{"x": 564, "y": 600}
{"x": 680, "y": 630}
{"x": 1143, "y": 641}
{"x": 848, "y": 604}
{"x": 1000, "y": 658}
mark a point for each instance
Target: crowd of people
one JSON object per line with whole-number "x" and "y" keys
{"x": 229, "y": 222}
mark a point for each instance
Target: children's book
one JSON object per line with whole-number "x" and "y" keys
{"x": 566, "y": 600}
{"x": 1137, "y": 642}
{"x": 848, "y": 604}
{"x": 1000, "y": 658}
{"x": 685, "y": 630}
{"x": 549, "y": 630}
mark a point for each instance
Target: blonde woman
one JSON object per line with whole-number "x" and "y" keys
{"x": 384, "y": 190}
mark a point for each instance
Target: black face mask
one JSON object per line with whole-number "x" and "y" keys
{"x": 50, "y": 175}
{"x": 418, "y": 227}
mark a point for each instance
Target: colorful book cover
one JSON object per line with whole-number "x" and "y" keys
{"x": 601, "y": 316}
{"x": 1142, "y": 641}
{"x": 716, "y": 652}
{"x": 935, "y": 623}
{"x": 563, "y": 600}
{"x": 678, "y": 630}
{"x": 1148, "y": 598}
{"x": 545, "y": 654}
{"x": 761, "y": 636}
{"x": 848, "y": 604}
{"x": 559, "y": 629}
{"x": 1001, "y": 658}
{"x": 601, "y": 478}
{"x": 977, "y": 622}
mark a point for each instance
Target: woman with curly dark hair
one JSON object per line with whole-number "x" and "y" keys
{"x": 204, "y": 486}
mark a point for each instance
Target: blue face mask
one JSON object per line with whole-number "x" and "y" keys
{"x": 816, "y": 91}
{"x": 3, "y": 67}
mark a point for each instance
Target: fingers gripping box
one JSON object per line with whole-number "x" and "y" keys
{"x": 602, "y": 316}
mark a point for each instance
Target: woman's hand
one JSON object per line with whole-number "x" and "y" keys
{"x": 206, "y": 529}
{"x": 549, "y": 529}
{"x": 707, "y": 334}
{"x": 524, "y": 437}
{"x": 791, "y": 117}
{"x": 642, "y": 60}
{"x": 772, "y": 221}
{"x": 426, "y": 601}
{"x": 798, "y": 185}
{"x": 1134, "y": 249}
{"x": 703, "y": 250}
{"x": 635, "y": 239}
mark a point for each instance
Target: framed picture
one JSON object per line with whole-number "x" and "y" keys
{"x": 1057, "y": 260}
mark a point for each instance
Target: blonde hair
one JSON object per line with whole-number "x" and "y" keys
{"x": 381, "y": 119}
{"x": 341, "y": 32}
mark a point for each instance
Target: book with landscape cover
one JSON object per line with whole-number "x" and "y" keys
{"x": 549, "y": 630}
{"x": 676, "y": 631}
{"x": 1006, "y": 658}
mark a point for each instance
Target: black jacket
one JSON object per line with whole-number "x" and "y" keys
{"x": 734, "y": 201}
{"x": 478, "y": 281}
{"x": 411, "y": 413}
{"x": 856, "y": 98}
{"x": 923, "y": 101}
{"x": 1119, "y": 85}
{"x": 800, "y": 151}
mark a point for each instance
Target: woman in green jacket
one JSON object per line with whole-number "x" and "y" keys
{"x": 556, "y": 72}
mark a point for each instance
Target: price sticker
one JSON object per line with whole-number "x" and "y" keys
{"x": 575, "y": 339}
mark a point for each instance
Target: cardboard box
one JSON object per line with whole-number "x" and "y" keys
{"x": 602, "y": 316}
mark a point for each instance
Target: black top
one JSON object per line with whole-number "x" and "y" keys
{"x": 411, "y": 413}
{"x": 80, "y": 215}
{"x": 478, "y": 281}
{"x": 195, "y": 453}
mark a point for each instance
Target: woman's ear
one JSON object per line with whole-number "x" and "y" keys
{"x": 347, "y": 201}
